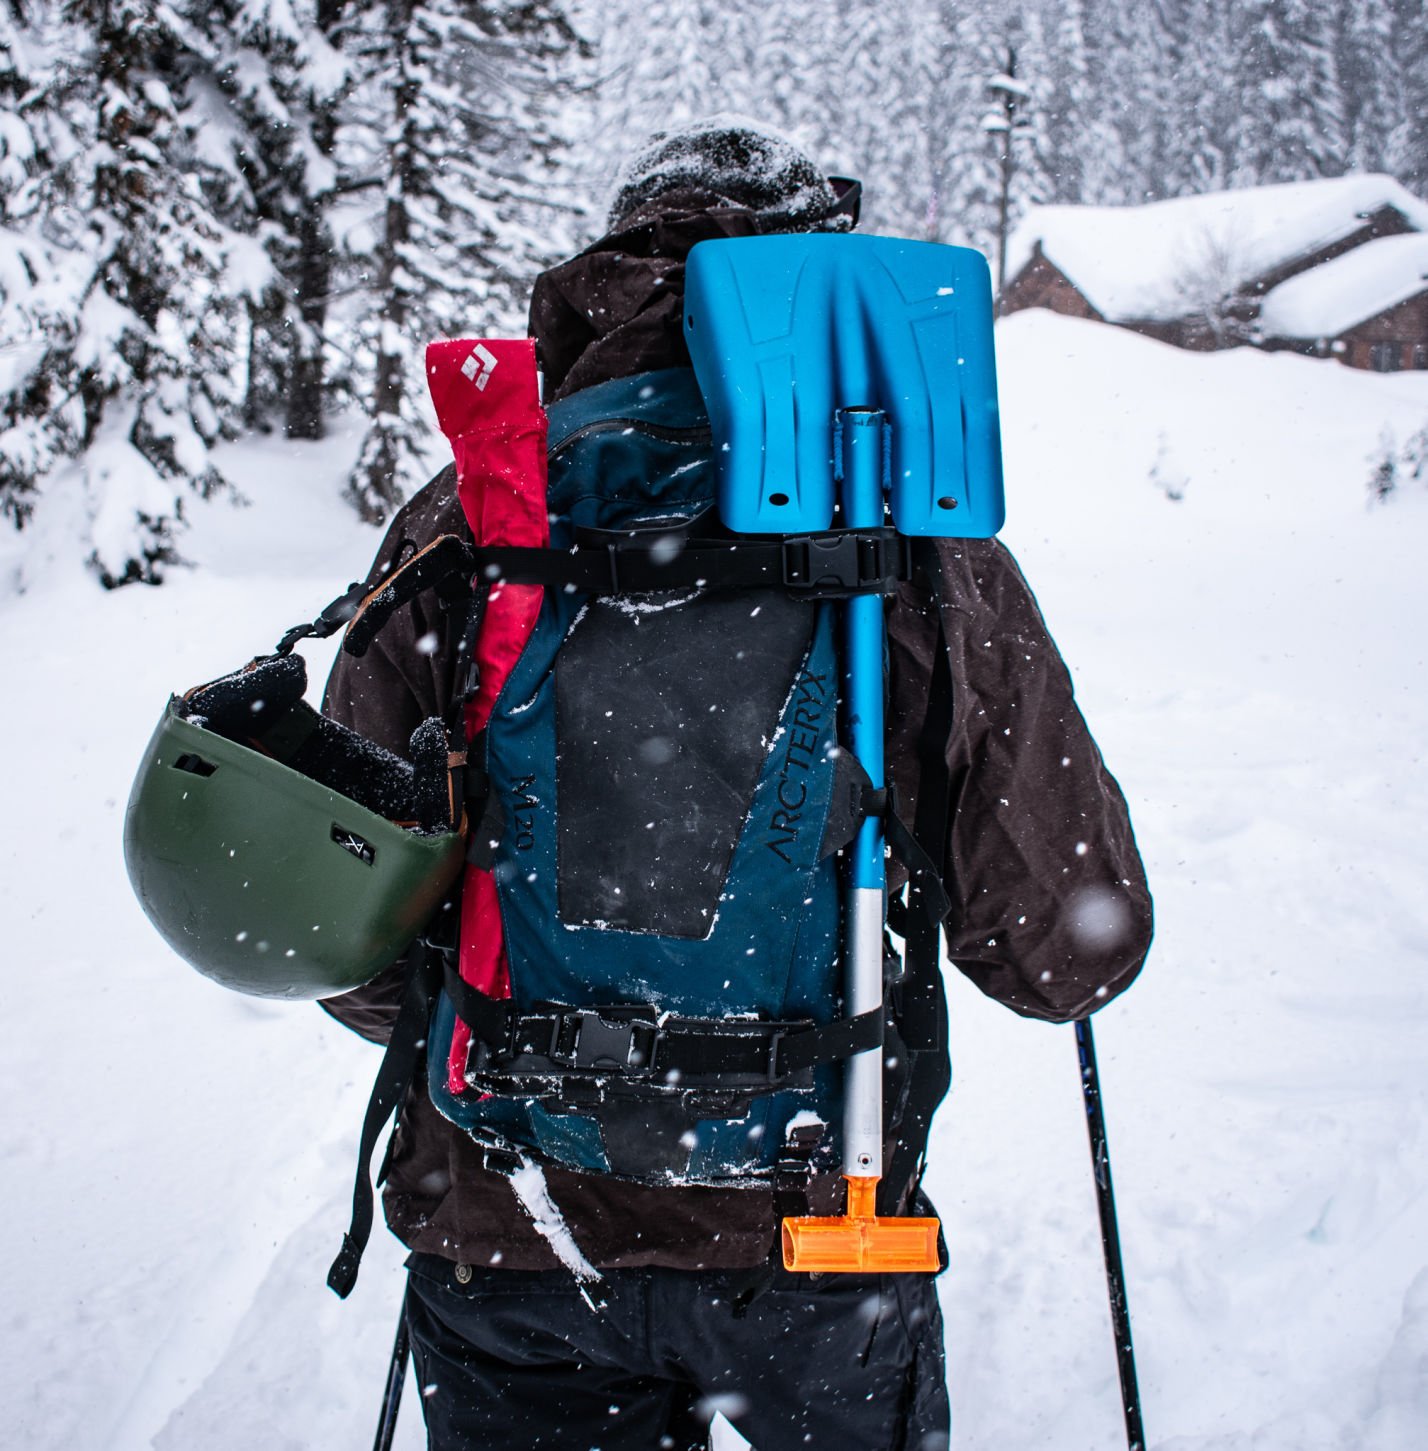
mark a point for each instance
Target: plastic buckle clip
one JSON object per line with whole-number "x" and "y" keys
{"x": 845, "y": 562}
{"x": 584, "y": 1039}
{"x": 821, "y": 561}
{"x": 342, "y": 609}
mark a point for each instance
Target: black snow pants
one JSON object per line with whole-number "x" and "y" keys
{"x": 519, "y": 1360}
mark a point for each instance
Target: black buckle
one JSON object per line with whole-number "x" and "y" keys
{"x": 796, "y": 1153}
{"x": 333, "y": 617}
{"x": 498, "y": 1155}
{"x": 341, "y": 610}
{"x": 584, "y": 1039}
{"x": 842, "y": 562}
{"x": 500, "y": 1161}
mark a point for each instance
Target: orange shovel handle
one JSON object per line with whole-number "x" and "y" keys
{"x": 860, "y": 1242}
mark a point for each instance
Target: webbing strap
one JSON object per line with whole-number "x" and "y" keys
{"x": 447, "y": 558}
{"x": 399, "y": 1064}
{"x": 924, "y": 874}
{"x": 854, "y": 799}
{"x": 792, "y": 1171}
{"x": 834, "y": 564}
{"x": 485, "y": 836}
{"x": 922, "y": 993}
{"x": 489, "y": 1018}
{"x": 841, "y": 1038}
{"x": 333, "y": 617}
{"x": 364, "y": 611}
{"x": 777, "y": 1051}
{"x": 634, "y": 1042}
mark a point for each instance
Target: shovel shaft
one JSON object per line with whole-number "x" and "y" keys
{"x": 862, "y": 458}
{"x": 863, "y": 1107}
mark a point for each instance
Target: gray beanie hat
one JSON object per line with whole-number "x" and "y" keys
{"x": 741, "y": 163}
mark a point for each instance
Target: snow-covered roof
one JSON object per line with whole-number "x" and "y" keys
{"x": 1328, "y": 300}
{"x": 1160, "y": 261}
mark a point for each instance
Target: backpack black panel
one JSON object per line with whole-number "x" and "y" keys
{"x": 666, "y": 712}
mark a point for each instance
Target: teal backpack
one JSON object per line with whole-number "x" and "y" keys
{"x": 660, "y": 801}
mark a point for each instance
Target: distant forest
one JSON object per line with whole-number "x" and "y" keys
{"x": 247, "y": 214}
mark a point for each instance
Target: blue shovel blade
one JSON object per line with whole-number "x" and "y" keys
{"x": 785, "y": 331}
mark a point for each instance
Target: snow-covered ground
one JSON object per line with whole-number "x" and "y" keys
{"x": 177, "y": 1159}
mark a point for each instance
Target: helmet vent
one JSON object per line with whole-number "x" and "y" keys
{"x": 194, "y": 765}
{"x": 359, "y": 846}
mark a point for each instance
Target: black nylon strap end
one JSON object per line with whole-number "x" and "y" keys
{"x": 343, "y": 1274}
{"x": 393, "y": 1077}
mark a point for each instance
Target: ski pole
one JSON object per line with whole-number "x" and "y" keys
{"x": 1110, "y": 1235}
{"x": 396, "y": 1377}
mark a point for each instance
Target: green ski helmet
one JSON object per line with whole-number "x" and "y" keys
{"x": 280, "y": 853}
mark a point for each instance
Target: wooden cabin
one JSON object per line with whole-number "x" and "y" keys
{"x": 1367, "y": 308}
{"x": 1197, "y": 272}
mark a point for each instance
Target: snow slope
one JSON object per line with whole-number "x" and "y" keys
{"x": 1250, "y": 655}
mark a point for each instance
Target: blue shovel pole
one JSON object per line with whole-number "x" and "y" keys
{"x": 860, "y": 1240}
{"x": 861, "y": 431}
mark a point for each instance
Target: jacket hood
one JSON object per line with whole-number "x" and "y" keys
{"x": 616, "y": 308}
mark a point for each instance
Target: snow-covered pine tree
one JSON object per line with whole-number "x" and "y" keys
{"x": 1410, "y": 46}
{"x": 660, "y": 63}
{"x": 854, "y": 119}
{"x": 1204, "y": 104}
{"x": 275, "y": 80}
{"x": 1032, "y": 185}
{"x": 920, "y": 146}
{"x": 459, "y": 100}
{"x": 1415, "y": 455}
{"x": 38, "y": 301}
{"x": 1376, "y": 126}
{"x": 1136, "y": 77}
{"x": 1081, "y": 150}
{"x": 758, "y": 58}
{"x": 131, "y": 350}
{"x": 970, "y": 50}
{"x": 1291, "y": 106}
{"x": 927, "y": 105}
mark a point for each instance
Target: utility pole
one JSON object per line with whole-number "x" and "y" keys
{"x": 1009, "y": 121}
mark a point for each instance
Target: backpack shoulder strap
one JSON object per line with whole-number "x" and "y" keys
{"x": 920, "y": 998}
{"x": 394, "y": 1076}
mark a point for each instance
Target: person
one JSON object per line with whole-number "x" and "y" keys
{"x": 510, "y": 1350}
